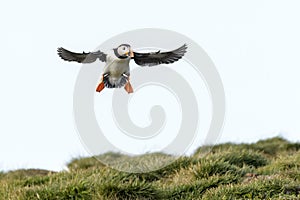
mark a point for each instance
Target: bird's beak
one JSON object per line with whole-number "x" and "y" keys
{"x": 131, "y": 53}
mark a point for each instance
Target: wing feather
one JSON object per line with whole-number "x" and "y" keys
{"x": 81, "y": 57}
{"x": 156, "y": 58}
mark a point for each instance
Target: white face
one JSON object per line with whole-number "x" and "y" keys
{"x": 123, "y": 50}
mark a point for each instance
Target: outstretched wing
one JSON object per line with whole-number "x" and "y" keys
{"x": 156, "y": 58}
{"x": 81, "y": 57}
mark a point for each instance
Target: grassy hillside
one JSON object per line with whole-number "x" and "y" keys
{"x": 264, "y": 170}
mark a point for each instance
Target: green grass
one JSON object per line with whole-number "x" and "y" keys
{"x": 268, "y": 169}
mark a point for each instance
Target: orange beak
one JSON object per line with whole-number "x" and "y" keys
{"x": 131, "y": 54}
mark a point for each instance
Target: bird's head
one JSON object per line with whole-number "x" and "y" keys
{"x": 124, "y": 51}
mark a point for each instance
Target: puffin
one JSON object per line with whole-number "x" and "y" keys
{"x": 116, "y": 72}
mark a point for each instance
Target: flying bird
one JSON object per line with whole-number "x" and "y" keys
{"x": 116, "y": 72}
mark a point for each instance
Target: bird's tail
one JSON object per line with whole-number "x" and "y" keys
{"x": 114, "y": 82}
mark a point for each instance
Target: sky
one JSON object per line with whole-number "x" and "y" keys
{"x": 254, "y": 45}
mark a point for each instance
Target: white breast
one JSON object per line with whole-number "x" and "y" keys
{"x": 116, "y": 66}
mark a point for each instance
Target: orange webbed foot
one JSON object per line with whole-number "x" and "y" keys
{"x": 128, "y": 87}
{"x": 101, "y": 86}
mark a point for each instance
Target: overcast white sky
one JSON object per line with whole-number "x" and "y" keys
{"x": 254, "y": 44}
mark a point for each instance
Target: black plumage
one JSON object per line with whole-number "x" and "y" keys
{"x": 156, "y": 58}
{"x": 109, "y": 84}
{"x": 81, "y": 57}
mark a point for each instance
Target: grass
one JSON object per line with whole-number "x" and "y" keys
{"x": 268, "y": 169}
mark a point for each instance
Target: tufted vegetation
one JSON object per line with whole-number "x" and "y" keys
{"x": 268, "y": 169}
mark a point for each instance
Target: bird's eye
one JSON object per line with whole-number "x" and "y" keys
{"x": 124, "y": 48}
